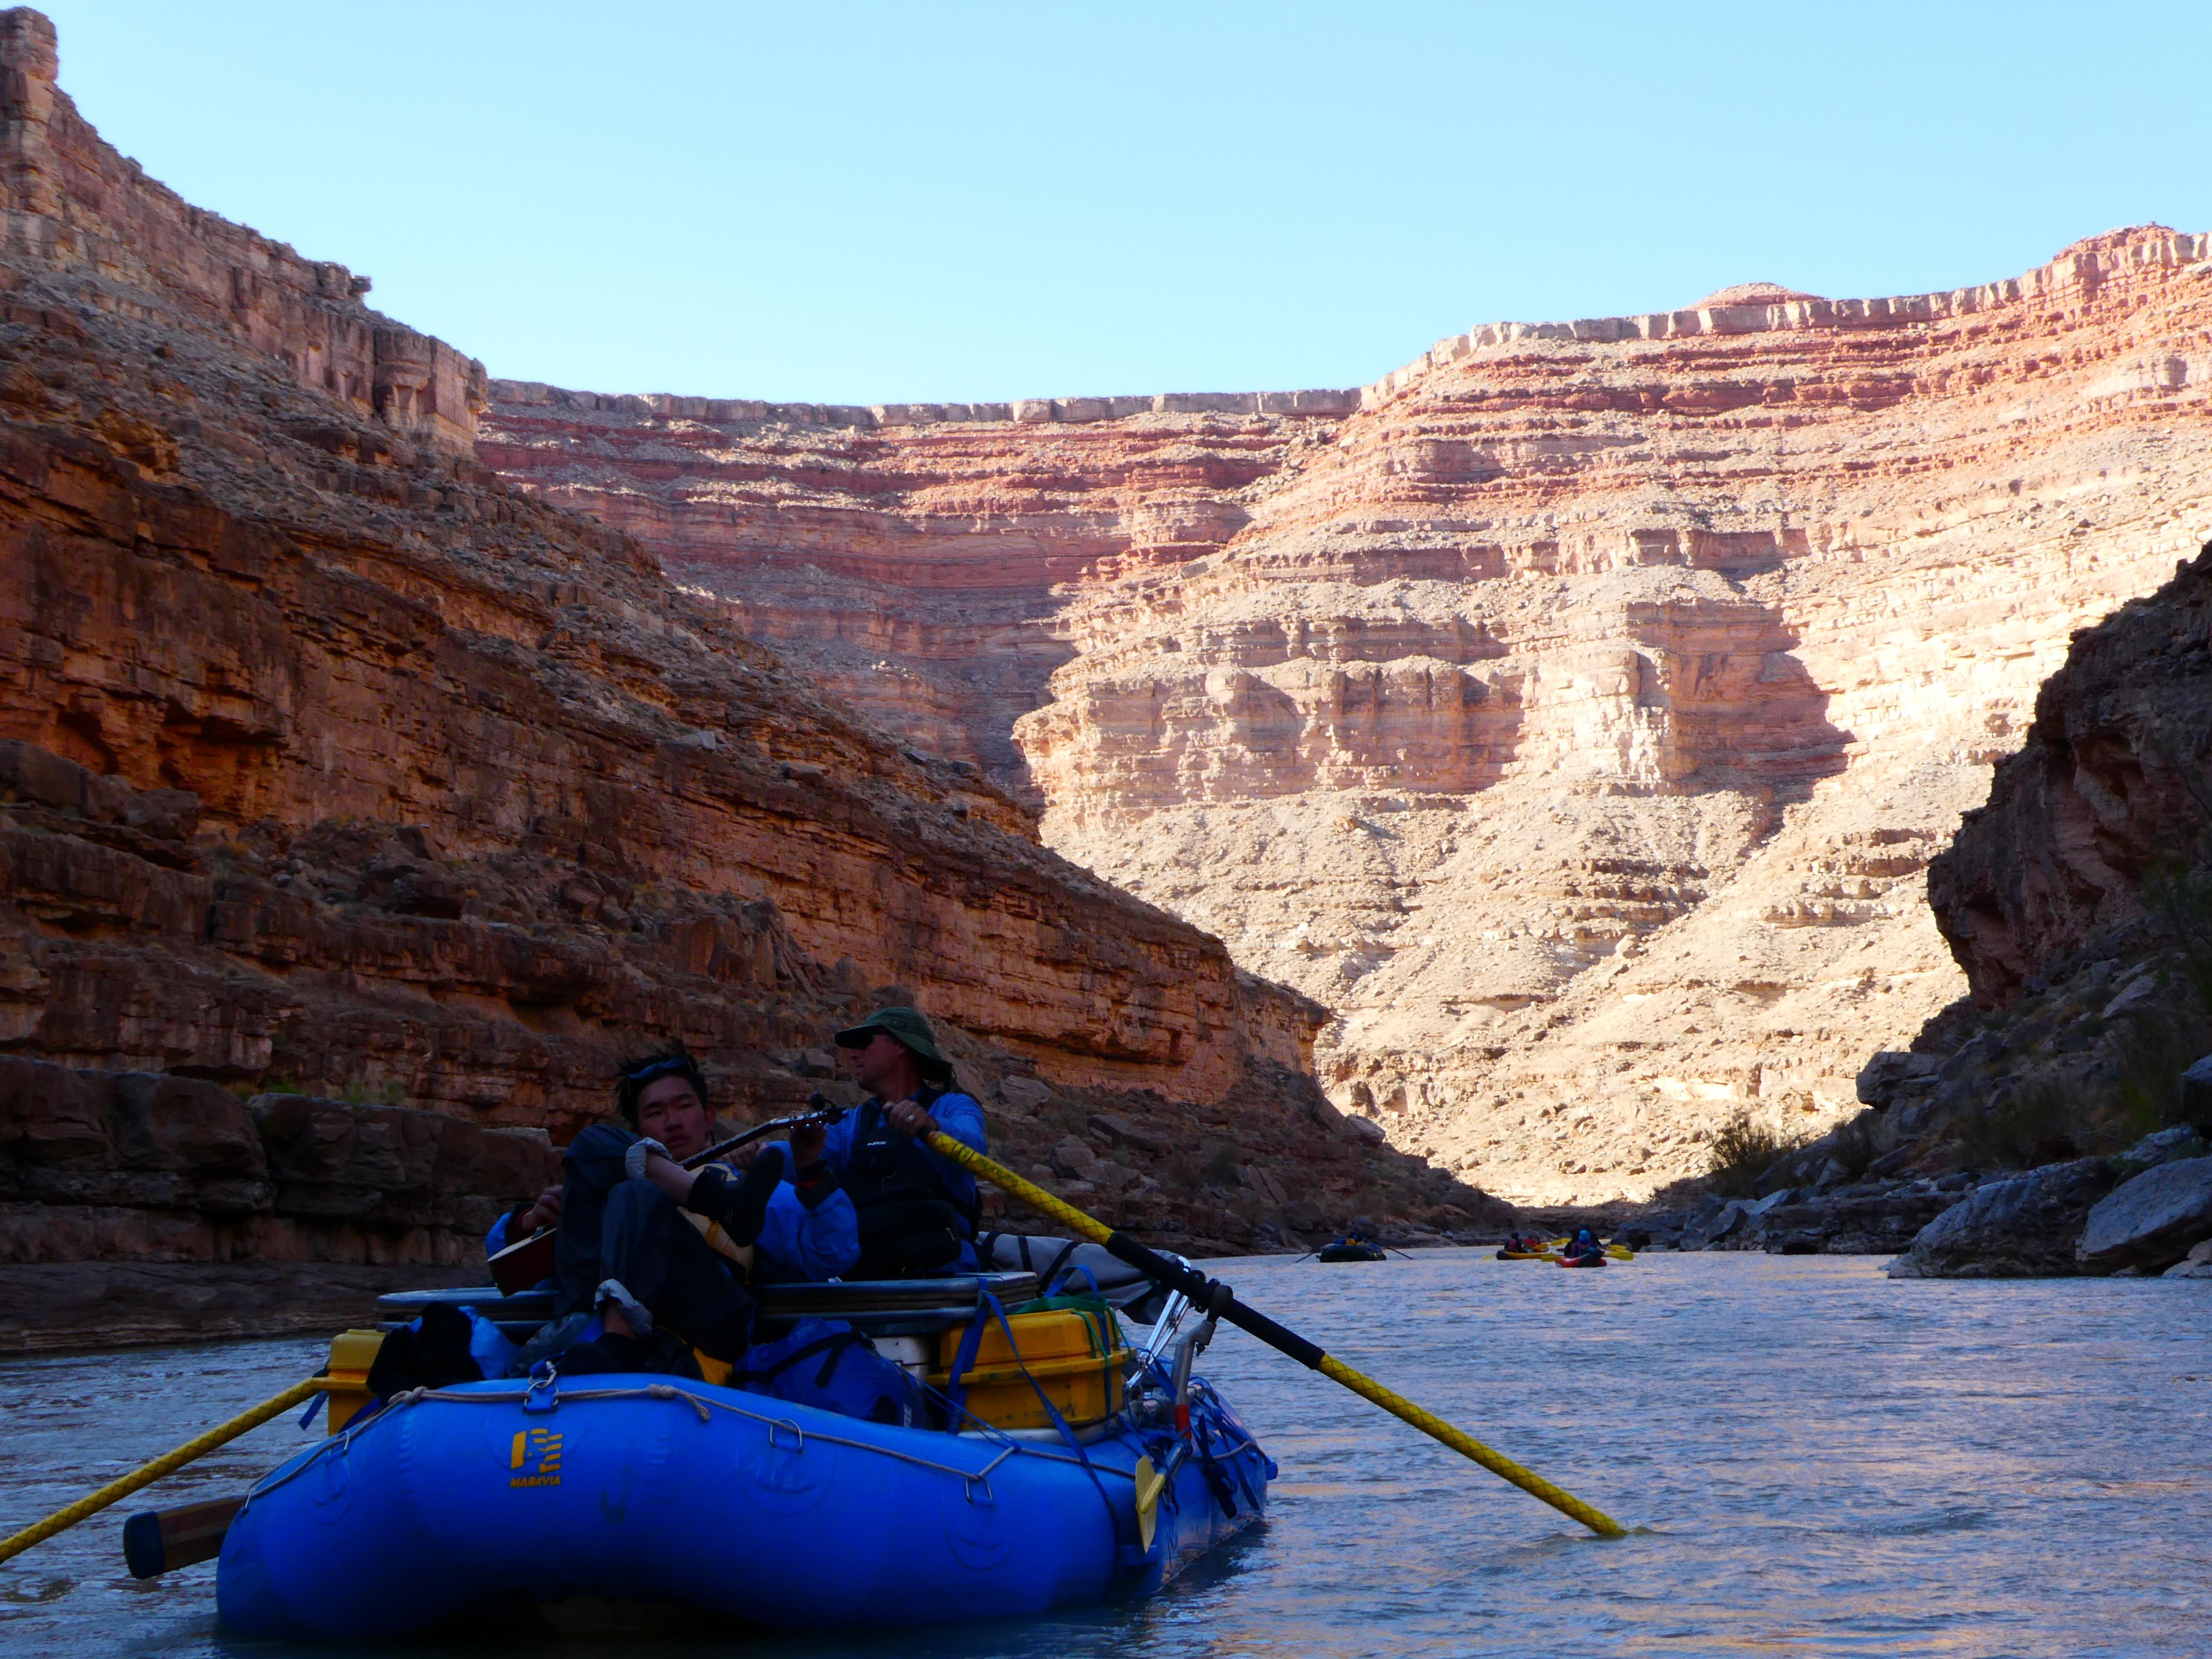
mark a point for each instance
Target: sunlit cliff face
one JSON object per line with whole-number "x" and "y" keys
{"x": 1575, "y": 717}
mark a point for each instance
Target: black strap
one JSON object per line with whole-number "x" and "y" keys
{"x": 815, "y": 1183}
{"x": 831, "y": 1343}
{"x": 1045, "y": 1278}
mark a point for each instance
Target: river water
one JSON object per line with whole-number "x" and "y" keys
{"x": 1819, "y": 1462}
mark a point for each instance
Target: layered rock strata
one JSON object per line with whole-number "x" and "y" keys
{"x": 1575, "y": 717}
{"x": 331, "y": 762}
{"x": 911, "y": 557}
{"x": 138, "y": 1206}
{"x": 2067, "y": 1097}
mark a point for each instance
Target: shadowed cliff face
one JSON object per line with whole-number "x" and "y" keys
{"x": 2114, "y": 782}
{"x": 2078, "y": 899}
{"x": 1573, "y": 711}
{"x": 332, "y": 763}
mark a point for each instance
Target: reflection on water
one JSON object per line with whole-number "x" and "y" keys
{"x": 1825, "y": 1463}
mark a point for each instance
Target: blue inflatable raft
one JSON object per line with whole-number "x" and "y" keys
{"x": 492, "y": 1497}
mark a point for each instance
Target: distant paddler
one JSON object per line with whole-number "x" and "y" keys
{"x": 1217, "y": 1299}
{"x": 1583, "y": 1250}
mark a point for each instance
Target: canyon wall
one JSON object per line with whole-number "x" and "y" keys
{"x": 1572, "y": 712}
{"x": 2111, "y": 789}
{"x": 333, "y": 766}
{"x": 909, "y": 556}
{"x": 2078, "y": 899}
{"x": 70, "y": 200}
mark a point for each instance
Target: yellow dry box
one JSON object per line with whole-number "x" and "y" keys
{"x": 1074, "y": 1358}
{"x": 346, "y": 1378}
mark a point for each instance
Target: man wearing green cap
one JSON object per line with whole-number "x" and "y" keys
{"x": 918, "y": 1212}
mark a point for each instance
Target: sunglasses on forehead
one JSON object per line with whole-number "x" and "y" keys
{"x": 658, "y": 1068}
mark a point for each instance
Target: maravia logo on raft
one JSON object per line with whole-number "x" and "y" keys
{"x": 536, "y": 1459}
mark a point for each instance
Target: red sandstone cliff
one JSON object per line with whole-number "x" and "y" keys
{"x": 2078, "y": 899}
{"x": 1572, "y": 712}
{"x": 913, "y": 557}
{"x": 332, "y": 763}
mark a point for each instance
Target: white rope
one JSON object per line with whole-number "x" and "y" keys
{"x": 699, "y": 1404}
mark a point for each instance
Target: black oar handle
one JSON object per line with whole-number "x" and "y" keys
{"x": 1212, "y": 1296}
{"x": 1217, "y": 1299}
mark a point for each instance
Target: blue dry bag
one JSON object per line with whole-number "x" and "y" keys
{"x": 827, "y": 1364}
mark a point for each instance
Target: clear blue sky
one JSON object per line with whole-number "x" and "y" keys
{"x": 859, "y": 202}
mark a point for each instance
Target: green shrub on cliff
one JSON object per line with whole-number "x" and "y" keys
{"x": 1743, "y": 1149}
{"x": 1853, "y": 1147}
{"x": 2036, "y": 1124}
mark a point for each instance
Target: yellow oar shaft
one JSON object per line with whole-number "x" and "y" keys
{"x": 1468, "y": 1447}
{"x": 1200, "y": 1289}
{"x": 147, "y": 1474}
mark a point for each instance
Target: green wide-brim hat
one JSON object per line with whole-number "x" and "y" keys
{"x": 906, "y": 1026}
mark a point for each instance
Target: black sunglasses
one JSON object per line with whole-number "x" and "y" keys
{"x": 659, "y": 1068}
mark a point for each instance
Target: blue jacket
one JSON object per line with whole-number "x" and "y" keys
{"x": 961, "y": 1116}
{"x": 816, "y": 1244}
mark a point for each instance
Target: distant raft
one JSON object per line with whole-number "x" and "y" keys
{"x": 1348, "y": 1250}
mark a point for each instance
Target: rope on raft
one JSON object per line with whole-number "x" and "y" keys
{"x": 700, "y": 1403}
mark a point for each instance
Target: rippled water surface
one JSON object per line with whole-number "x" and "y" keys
{"x": 1826, "y": 1463}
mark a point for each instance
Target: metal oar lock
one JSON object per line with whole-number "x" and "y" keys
{"x": 1151, "y": 1482}
{"x": 1220, "y": 1303}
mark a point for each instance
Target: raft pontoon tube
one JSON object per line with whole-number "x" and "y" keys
{"x": 1352, "y": 1250}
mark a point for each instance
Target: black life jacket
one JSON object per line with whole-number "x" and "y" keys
{"x": 911, "y": 1221}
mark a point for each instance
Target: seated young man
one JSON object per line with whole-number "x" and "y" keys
{"x": 626, "y": 1253}
{"x": 917, "y": 1210}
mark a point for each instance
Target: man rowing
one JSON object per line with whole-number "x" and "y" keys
{"x": 918, "y": 1212}
{"x": 628, "y": 1254}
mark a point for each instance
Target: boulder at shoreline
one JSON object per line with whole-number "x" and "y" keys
{"x": 2150, "y": 1222}
{"x": 2020, "y": 1228}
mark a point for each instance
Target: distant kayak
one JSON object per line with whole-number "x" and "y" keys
{"x": 1341, "y": 1251}
{"x": 1525, "y": 1255}
{"x": 1557, "y": 1247}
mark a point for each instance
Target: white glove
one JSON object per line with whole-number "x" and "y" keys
{"x": 612, "y": 1292}
{"x": 634, "y": 1160}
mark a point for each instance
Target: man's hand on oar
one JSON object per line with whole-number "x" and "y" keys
{"x": 1214, "y": 1297}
